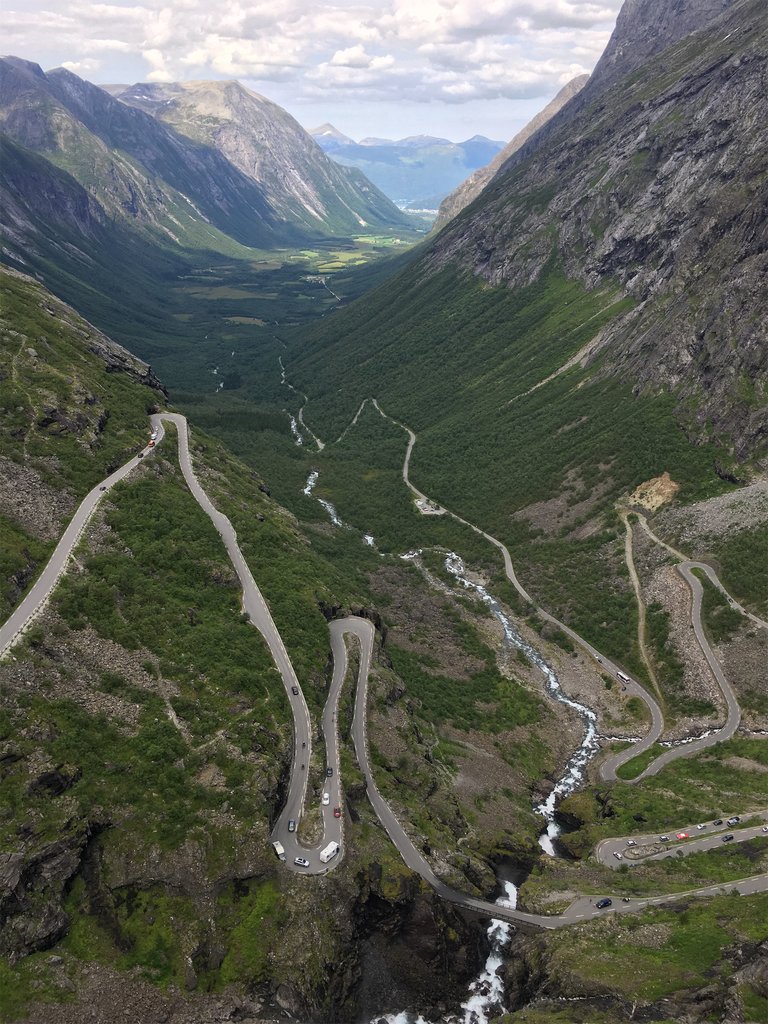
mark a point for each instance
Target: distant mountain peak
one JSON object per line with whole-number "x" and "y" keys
{"x": 329, "y": 132}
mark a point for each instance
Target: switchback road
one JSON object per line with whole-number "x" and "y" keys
{"x": 254, "y": 604}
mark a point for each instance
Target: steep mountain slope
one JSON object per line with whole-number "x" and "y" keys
{"x": 74, "y": 407}
{"x": 665, "y": 196}
{"x": 411, "y": 169}
{"x": 594, "y": 319}
{"x": 265, "y": 143}
{"x": 136, "y": 169}
{"x": 144, "y": 733}
{"x": 475, "y": 183}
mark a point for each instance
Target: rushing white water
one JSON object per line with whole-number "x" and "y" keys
{"x": 310, "y": 486}
{"x": 297, "y": 438}
{"x": 574, "y": 770}
{"x": 486, "y": 993}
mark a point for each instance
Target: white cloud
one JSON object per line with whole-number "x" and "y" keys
{"x": 449, "y": 51}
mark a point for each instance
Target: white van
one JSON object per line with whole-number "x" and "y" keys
{"x": 329, "y": 852}
{"x": 279, "y": 850}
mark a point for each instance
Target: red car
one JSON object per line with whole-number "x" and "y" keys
{"x": 682, "y": 835}
{"x": 337, "y": 812}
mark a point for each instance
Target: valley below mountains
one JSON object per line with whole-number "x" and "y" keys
{"x": 384, "y": 616}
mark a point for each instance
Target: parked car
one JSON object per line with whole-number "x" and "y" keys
{"x": 617, "y": 855}
{"x": 602, "y": 904}
{"x": 728, "y": 838}
{"x": 631, "y": 842}
{"x": 301, "y": 861}
{"x": 337, "y": 812}
{"x": 292, "y": 825}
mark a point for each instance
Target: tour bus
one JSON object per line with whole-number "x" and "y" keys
{"x": 621, "y": 676}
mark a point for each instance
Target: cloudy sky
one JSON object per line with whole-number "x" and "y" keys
{"x": 386, "y": 67}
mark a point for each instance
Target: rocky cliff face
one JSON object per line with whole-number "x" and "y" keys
{"x": 656, "y": 182}
{"x": 268, "y": 146}
{"x": 259, "y": 178}
{"x": 476, "y": 182}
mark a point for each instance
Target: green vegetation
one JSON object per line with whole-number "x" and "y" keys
{"x": 66, "y": 421}
{"x": 670, "y": 669}
{"x": 616, "y": 954}
{"x": 742, "y": 557}
{"x": 727, "y": 778}
{"x": 483, "y": 701}
{"x": 636, "y": 765}
{"x": 454, "y": 359}
{"x": 720, "y": 620}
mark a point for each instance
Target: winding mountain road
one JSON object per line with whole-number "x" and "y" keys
{"x": 256, "y": 607}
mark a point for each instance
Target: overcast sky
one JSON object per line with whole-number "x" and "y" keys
{"x": 391, "y": 68}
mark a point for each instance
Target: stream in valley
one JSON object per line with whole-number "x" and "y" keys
{"x": 589, "y": 746}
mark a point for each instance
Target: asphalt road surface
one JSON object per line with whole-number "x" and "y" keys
{"x": 651, "y": 847}
{"x": 254, "y": 604}
{"x": 23, "y": 616}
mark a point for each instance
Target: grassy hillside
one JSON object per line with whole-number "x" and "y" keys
{"x": 541, "y": 468}
{"x": 74, "y": 408}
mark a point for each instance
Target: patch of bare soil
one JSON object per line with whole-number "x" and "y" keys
{"x": 654, "y": 493}
{"x": 26, "y": 499}
{"x": 744, "y": 658}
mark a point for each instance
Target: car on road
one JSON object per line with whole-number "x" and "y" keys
{"x": 326, "y": 799}
{"x": 103, "y": 487}
{"x": 700, "y": 827}
{"x": 301, "y": 861}
{"x": 337, "y": 812}
{"x": 295, "y": 691}
{"x": 765, "y": 828}
{"x": 602, "y": 904}
{"x": 631, "y": 842}
{"x": 682, "y": 835}
{"x": 663, "y": 839}
{"x": 718, "y": 821}
{"x": 728, "y": 838}
{"x": 329, "y": 772}
{"x": 292, "y": 825}
{"x": 625, "y": 899}
{"x": 734, "y": 820}
{"x": 617, "y": 855}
